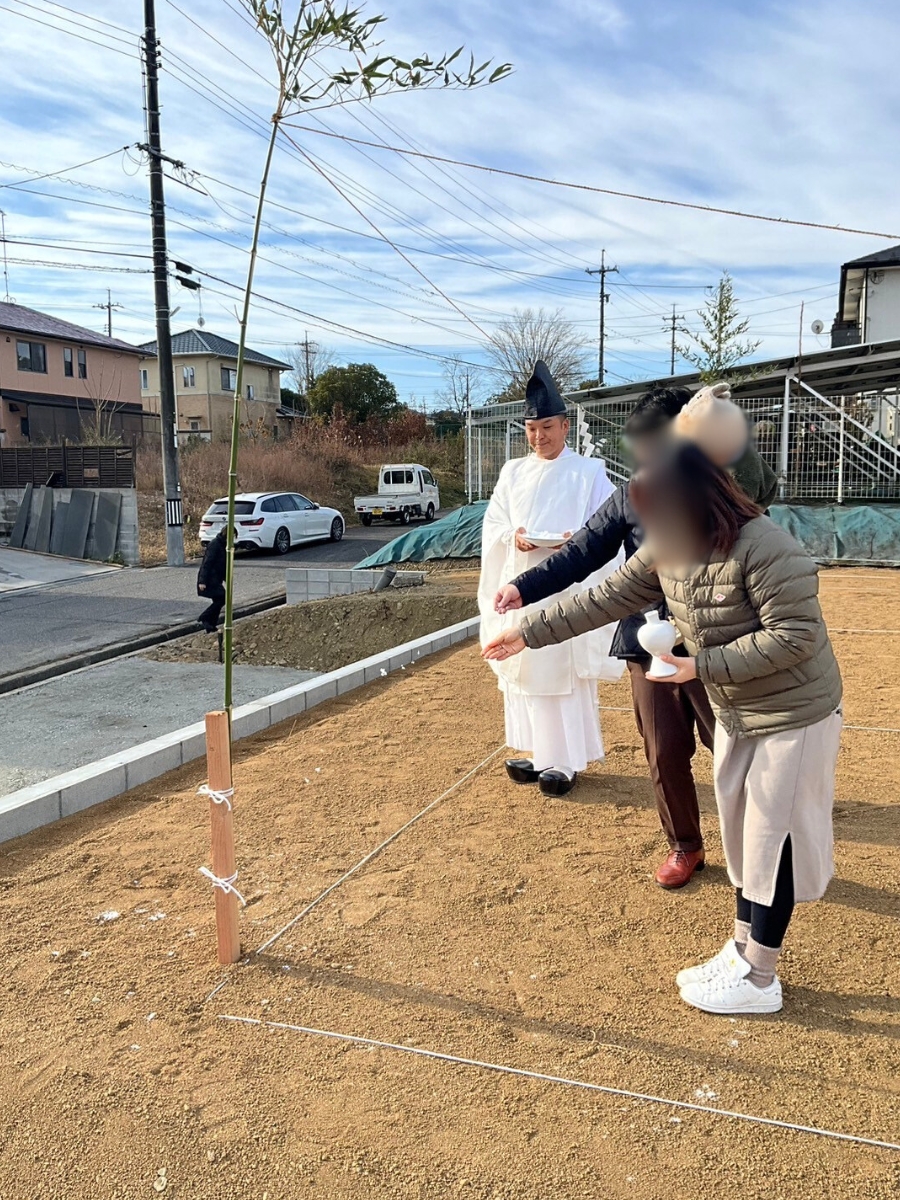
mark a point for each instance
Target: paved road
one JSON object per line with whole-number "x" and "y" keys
{"x": 69, "y": 722}
{"x": 64, "y": 619}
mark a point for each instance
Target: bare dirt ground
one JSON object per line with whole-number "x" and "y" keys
{"x": 503, "y": 927}
{"x": 323, "y": 635}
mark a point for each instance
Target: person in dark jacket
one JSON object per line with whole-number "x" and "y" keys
{"x": 669, "y": 719}
{"x": 211, "y": 580}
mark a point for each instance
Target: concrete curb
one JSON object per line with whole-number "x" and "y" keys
{"x": 51, "y": 800}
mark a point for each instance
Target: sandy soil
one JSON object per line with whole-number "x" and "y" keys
{"x": 503, "y": 927}
{"x": 323, "y": 635}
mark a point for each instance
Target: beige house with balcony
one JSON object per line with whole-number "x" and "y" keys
{"x": 62, "y": 383}
{"x": 205, "y": 370}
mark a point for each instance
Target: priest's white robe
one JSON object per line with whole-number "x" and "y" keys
{"x": 550, "y": 695}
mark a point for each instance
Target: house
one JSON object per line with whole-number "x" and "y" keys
{"x": 205, "y": 370}
{"x": 869, "y": 300}
{"x": 60, "y": 382}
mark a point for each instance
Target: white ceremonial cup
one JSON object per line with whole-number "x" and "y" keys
{"x": 658, "y": 637}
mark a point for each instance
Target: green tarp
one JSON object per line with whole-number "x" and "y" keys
{"x": 855, "y": 533}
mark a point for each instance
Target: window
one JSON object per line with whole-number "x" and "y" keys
{"x": 145, "y": 380}
{"x": 242, "y": 508}
{"x": 195, "y": 426}
{"x": 286, "y": 503}
{"x": 32, "y": 356}
{"x": 250, "y": 392}
{"x": 429, "y": 479}
{"x": 302, "y": 503}
{"x": 68, "y": 362}
{"x": 82, "y": 364}
{"x": 270, "y": 505}
{"x": 229, "y": 379}
{"x": 187, "y": 376}
{"x": 396, "y": 477}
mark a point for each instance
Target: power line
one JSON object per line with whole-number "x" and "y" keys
{"x": 586, "y": 187}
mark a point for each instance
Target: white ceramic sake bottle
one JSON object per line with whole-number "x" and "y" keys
{"x": 657, "y": 637}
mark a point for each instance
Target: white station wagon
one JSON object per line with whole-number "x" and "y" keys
{"x": 273, "y": 521}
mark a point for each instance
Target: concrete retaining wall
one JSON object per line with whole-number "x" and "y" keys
{"x": 318, "y": 583}
{"x": 49, "y": 801}
{"x": 127, "y": 539}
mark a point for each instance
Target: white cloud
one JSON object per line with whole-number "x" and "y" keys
{"x": 778, "y": 111}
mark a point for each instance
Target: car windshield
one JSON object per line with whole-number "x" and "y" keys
{"x": 242, "y": 508}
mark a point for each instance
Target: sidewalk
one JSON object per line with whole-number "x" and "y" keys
{"x": 68, "y": 722}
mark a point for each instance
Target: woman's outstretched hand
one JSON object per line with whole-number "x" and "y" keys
{"x": 504, "y": 646}
{"x": 685, "y": 672}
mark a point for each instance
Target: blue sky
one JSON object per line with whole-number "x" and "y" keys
{"x": 788, "y": 110}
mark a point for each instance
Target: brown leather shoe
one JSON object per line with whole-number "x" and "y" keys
{"x": 679, "y": 868}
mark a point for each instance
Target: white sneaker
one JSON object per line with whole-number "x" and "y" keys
{"x": 710, "y": 969}
{"x": 730, "y": 991}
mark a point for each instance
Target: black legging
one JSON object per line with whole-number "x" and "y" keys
{"x": 769, "y": 922}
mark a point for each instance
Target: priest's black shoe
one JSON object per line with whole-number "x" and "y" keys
{"x": 556, "y": 783}
{"x": 521, "y": 770}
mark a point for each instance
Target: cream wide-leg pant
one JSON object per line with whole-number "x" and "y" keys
{"x": 557, "y": 731}
{"x": 768, "y": 788}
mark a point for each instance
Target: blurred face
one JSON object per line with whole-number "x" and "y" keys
{"x": 547, "y": 438}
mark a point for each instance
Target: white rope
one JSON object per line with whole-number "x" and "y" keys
{"x": 577, "y": 1083}
{"x": 227, "y": 885}
{"x": 378, "y": 849}
{"x": 221, "y": 797}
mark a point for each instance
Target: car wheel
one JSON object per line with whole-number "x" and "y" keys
{"x": 429, "y": 513}
{"x": 337, "y": 529}
{"x": 405, "y": 518}
{"x": 282, "y": 542}
{"x": 366, "y": 519}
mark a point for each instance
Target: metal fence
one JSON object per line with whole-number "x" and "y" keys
{"x": 829, "y": 450}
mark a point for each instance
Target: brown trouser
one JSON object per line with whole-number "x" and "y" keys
{"x": 668, "y": 715}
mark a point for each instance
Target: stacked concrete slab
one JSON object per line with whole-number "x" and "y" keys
{"x": 319, "y": 583}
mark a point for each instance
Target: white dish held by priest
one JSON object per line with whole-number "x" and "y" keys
{"x": 549, "y": 695}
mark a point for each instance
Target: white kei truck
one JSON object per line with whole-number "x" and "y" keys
{"x": 405, "y": 490}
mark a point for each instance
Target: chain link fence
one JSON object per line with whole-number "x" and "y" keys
{"x": 826, "y": 450}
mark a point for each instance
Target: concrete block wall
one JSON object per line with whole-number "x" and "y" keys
{"x": 128, "y": 537}
{"x": 318, "y": 583}
{"x": 43, "y": 803}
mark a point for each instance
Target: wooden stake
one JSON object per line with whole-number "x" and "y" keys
{"x": 221, "y": 818}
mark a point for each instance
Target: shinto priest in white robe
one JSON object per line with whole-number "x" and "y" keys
{"x": 549, "y": 695}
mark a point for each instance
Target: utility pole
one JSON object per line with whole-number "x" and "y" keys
{"x": 167, "y": 407}
{"x": 671, "y": 324}
{"x": 603, "y": 270}
{"x": 6, "y": 297}
{"x": 109, "y": 306}
{"x": 309, "y": 349}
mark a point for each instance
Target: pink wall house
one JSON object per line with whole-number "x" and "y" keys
{"x": 59, "y": 382}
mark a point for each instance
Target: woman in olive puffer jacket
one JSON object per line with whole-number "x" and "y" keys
{"x": 748, "y": 612}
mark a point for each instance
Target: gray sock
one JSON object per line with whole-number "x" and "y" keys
{"x": 763, "y": 962}
{"x": 741, "y": 934}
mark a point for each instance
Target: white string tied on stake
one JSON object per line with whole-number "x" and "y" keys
{"x": 222, "y": 797}
{"x": 227, "y": 885}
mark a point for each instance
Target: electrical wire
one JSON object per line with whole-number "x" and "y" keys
{"x": 586, "y": 187}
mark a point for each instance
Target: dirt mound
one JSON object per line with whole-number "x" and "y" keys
{"x": 323, "y": 635}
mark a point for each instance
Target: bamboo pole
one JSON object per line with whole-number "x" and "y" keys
{"x": 221, "y": 818}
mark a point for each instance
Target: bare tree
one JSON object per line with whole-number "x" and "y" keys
{"x": 461, "y": 387}
{"x": 308, "y": 360}
{"x": 530, "y": 334}
{"x": 720, "y": 344}
{"x": 97, "y": 421}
